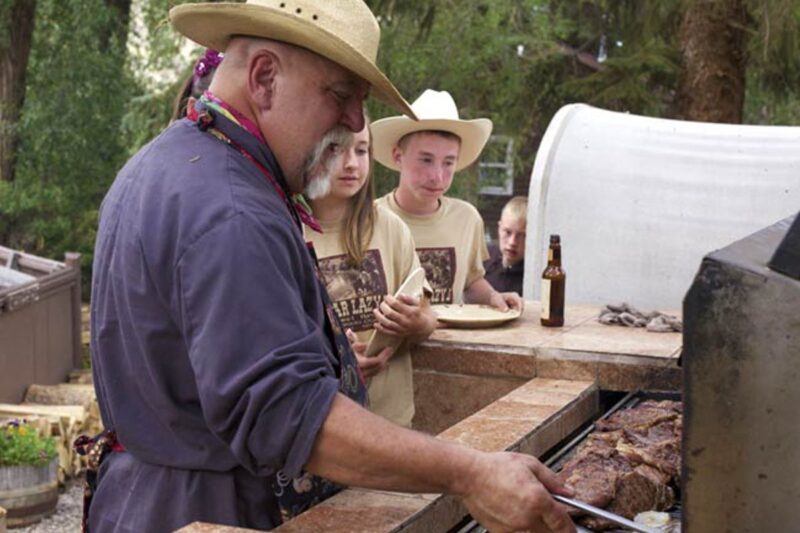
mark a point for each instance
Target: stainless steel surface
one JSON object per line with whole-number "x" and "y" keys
{"x": 602, "y": 513}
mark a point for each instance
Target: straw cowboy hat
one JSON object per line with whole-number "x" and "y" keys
{"x": 435, "y": 110}
{"x": 344, "y": 31}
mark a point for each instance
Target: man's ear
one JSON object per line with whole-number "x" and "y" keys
{"x": 397, "y": 154}
{"x": 262, "y": 75}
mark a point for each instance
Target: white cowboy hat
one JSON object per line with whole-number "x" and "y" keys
{"x": 343, "y": 31}
{"x": 435, "y": 110}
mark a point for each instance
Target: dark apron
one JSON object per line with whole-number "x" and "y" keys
{"x": 299, "y": 494}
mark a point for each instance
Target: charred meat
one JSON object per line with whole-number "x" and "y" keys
{"x": 631, "y": 463}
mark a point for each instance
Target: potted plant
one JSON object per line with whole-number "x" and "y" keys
{"x": 28, "y": 474}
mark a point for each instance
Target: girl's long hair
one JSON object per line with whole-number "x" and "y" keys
{"x": 182, "y": 99}
{"x": 359, "y": 222}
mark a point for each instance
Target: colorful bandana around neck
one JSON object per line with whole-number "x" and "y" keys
{"x": 209, "y": 101}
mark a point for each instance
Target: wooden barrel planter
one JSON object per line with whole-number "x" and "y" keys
{"x": 28, "y": 493}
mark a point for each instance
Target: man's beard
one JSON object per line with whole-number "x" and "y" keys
{"x": 318, "y": 186}
{"x": 321, "y": 161}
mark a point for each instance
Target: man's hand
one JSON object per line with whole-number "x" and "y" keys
{"x": 405, "y": 316}
{"x": 370, "y": 366}
{"x": 509, "y": 492}
{"x": 505, "y": 300}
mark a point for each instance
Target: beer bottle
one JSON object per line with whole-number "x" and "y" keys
{"x": 553, "y": 285}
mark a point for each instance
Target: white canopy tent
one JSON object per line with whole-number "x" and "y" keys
{"x": 639, "y": 201}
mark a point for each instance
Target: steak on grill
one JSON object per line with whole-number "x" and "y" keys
{"x": 594, "y": 474}
{"x": 631, "y": 463}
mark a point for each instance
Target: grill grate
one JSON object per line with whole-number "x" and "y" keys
{"x": 558, "y": 457}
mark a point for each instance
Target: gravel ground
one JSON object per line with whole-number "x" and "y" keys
{"x": 67, "y": 518}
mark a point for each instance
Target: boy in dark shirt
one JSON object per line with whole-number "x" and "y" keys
{"x": 506, "y": 264}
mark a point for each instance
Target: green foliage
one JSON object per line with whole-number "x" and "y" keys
{"x": 159, "y": 62}
{"x": 148, "y": 114}
{"x": 89, "y": 106}
{"x": 22, "y": 445}
{"x": 641, "y": 75}
{"x": 766, "y": 106}
{"x": 70, "y": 142}
{"x": 638, "y": 82}
{"x": 486, "y": 54}
{"x": 640, "y": 38}
{"x": 159, "y": 40}
{"x": 775, "y": 50}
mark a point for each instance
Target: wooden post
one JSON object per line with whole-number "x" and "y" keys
{"x": 73, "y": 260}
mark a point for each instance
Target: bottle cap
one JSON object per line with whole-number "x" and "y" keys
{"x": 555, "y": 238}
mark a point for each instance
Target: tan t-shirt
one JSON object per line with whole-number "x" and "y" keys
{"x": 450, "y": 244}
{"x": 356, "y": 291}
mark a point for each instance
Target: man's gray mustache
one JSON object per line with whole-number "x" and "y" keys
{"x": 317, "y": 168}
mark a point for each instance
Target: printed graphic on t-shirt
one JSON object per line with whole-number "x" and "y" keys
{"x": 355, "y": 291}
{"x": 440, "y": 269}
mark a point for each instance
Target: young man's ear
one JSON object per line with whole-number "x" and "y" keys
{"x": 397, "y": 154}
{"x": 263, "y": 69}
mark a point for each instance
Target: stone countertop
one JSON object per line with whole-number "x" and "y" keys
{"x": 616, "y": 357}
{"x": 581, "y": 333}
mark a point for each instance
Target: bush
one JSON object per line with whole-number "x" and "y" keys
{"x": 23, "y": 445}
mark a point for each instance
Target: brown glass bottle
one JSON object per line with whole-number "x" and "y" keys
{"x": 554, "y": 281}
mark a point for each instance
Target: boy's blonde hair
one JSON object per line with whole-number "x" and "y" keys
{"x": 516, "y": 209}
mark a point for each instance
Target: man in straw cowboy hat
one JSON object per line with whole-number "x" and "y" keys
{"x": 229, "y": 392}
{"x": 448, "y": 232}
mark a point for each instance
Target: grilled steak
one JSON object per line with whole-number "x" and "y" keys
{"x": 658, "y": 449}
{"x": 642, "y": 416}
{"x": 645, "y": 488}
{"x": 595, "y": 475}
{"x": 631, "y": 463}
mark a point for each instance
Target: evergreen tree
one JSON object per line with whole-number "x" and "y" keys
{"x": 70, "y": 145}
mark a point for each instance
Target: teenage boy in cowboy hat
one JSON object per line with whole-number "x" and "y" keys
{"x": 448, "y": 232}
{"x": 218, "y": 361}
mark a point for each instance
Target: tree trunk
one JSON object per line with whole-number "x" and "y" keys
{"x": 14, "y": 52}
{"x": 713, "y": 41}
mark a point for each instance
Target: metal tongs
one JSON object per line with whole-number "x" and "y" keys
{"x": 602, "y": 513}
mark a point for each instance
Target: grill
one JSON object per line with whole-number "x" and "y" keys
{"x": 562, "y": 453}
{"x": 741, "y": 352}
